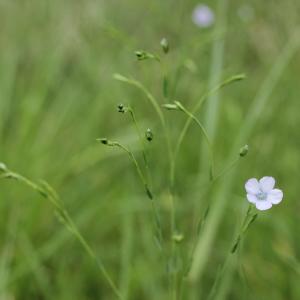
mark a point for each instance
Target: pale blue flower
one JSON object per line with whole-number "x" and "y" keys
{"x": 262, "y": 192}
{"x": 203, "y": 16}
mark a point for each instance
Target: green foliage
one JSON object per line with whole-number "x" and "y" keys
{"x": 58, "y": 95}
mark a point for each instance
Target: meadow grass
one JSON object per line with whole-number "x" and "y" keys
{"x": 147, "y": 220}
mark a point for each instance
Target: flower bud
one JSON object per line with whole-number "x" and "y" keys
{"x": 3, "y": 167}
{"x": 149, "y": 135}
{"x": 177, "y": 237}
{"x": 179, "y": 105}
{"x": 104, "y": 141}
{"x": 121, "y": 108}
{"x": 142, "y": 55}
{"x": 244, "y": 151}
{"x": 165, "y": 45}
{"x": 170, "y": 106}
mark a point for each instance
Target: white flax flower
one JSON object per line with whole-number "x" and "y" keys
{"x": 203, "y": 16}
{"x": 262, "y": 192}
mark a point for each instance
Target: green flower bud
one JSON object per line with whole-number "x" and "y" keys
{"x": 149, "y": 135}
{"x": 170, "y": 106}
{"x": 244, "y": 151}
{"x": 179, "y": 106}
{"x": 178, "y": 237}
{"x": 104, "y": 141}
{"x": 165, "y": 45}
{"x": 121, "y": 108}
{"x": 142, "y": 55}
{"x": 3, "y": 167}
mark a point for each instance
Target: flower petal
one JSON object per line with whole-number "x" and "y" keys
{"x": 267, "y": 183}
{"x": 252, "y": 186}
{"x": 275, "y": 196}
{"x": 203, "y": 16}
{"x": 263, "y": 205}
{"x": 251, "y": 198}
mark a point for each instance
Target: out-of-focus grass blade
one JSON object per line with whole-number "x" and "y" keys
{"x": 126, "y": 256}
{"x": 36, "y": 265}
{"x": 8, "y": 250}
{"x": 216, "y": 70}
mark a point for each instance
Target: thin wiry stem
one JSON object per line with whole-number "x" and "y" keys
{"x": 136, "y": 164}
{"x": 249, "y": 218}
{"x": 153, "y": 203}
{"x": 48, "y": 193}
{"x": 142, "y": 140}
{"x": 222, "y": 173}
{"x": 157, "y": 108}
{"x": 209, "y": 144}
{"x": 196, "y": 108}
{"x": 145, "y": 184}
{"x": 160, "y": 114}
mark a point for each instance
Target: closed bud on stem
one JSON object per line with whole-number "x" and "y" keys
{"x": 140, "y": 55}
{"x": 179, "y": 106}
{"x": 149, "y": 135}
{"x": 121, "y": 108}
{"x": 165, "y": 45}
{"x": 105, "y": 141}
{"x": 143, "y": 55}
{"x": 170, "y": 106}
{"x": 177, "y": 237}
{"x": 244, "y": 151}
{"x": 3, "y": 167}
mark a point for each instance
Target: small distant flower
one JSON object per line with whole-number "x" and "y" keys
{"x": 262, "y": 192}
{"x": 203, "y": 16}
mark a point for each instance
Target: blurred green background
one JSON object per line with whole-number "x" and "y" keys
{"x": 57, "y": 95}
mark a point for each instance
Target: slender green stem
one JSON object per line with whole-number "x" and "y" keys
{"x": 137, "y": 166}
{"x": 142, "y": 140}
{"x": 227, "y": 169}
{"x": 157, "y": 223}
{"x": 222, "y": 173}
{"x": 217, "y": 177}
{"x": 146, "y": 186}
{"x": 209, "y": 144}
{"x": 165, "y": 85}
{"x": 148, "y": 192}
{"x": 196, "y": 108}
{"x": 249, "y": 218}
{"x": 145, "y": 91}
{"x": 155, "y": 105}
{"x": 48, "y": 193}
{"x": 160, "y": 114}
{"x": 153, "y": 204}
